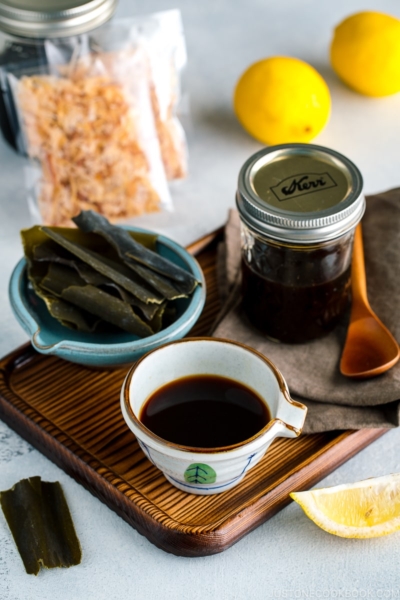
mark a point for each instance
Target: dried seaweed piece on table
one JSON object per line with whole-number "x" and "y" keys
{"x": 40, "y": 522}
{"x": 68, "y": 285}
{"x": 128, "y": 248}
{"x": 106, "y": 267}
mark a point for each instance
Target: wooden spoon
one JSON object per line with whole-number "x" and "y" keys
{"x": 370, "y": 349}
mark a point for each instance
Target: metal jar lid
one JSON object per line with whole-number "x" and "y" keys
{"x": 300, "y": 193}
{"x": 53, "y": 18}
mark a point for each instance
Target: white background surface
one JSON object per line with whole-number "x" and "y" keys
{"x": 287, "y": 557}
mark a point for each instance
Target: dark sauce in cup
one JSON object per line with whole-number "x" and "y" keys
{"x": 205, "y": 411}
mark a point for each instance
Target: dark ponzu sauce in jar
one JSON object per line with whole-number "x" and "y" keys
{"x": 299, "y": 205}
{"x": 291, "y": 313}
{"x": 205, "y": 411}
{"x": 294, "y": 294}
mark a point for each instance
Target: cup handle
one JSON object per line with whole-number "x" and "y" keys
{"x": 292, "y": 414}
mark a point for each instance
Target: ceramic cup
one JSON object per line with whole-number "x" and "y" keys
{"x": 209, "y": 470}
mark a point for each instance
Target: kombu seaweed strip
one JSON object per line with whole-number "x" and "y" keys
{"x": 110, "y": 309}
{"x": 158, "y": 282}
{"x": 65, "y": 283}
{"x": 99, "y": 263}
{"x": 90, "y": 221}
{"x": 46, "y": 254}
{"x": 71, "y": 316}
{"x": 40, "y": 522}
{"x": 101, "y": 275}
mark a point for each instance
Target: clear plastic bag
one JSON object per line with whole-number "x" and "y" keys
{"x": 99, "y": 119}
{"x": 164, "y": 42}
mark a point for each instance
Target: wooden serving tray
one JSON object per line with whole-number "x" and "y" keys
{"x": 72, "y": 414}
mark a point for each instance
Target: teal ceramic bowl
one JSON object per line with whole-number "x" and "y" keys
{"x": 48, "y": 336}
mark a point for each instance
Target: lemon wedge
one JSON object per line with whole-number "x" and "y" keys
{"x": 365, "y": 509}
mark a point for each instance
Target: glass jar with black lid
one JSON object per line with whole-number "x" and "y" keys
{"x": 299, "y": 205}
{"x": 25, "y": 25}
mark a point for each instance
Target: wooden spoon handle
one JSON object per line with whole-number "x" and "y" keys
{"x": 358, "y": 277}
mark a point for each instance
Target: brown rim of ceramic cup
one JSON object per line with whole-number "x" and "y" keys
{"x": 218, "y": 449}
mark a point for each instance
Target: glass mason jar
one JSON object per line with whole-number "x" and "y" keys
{"x": 299, "y": 205}
{"x": 24, "y": 28}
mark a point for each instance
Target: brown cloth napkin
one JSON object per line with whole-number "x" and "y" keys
{"x": 312, "y": 369}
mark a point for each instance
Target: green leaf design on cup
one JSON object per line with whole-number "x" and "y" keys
{"x": 200, "y": 473}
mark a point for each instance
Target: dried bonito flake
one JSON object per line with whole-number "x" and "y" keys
{"x": 85, "y": 130}
{"x": 172, "y": 139}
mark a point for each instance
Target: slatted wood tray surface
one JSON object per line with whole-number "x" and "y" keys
{"x": 72, "y": 415}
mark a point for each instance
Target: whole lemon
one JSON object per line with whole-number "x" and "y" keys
{"x": 282, "y": 99}
{"x": 365, "y": 53}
